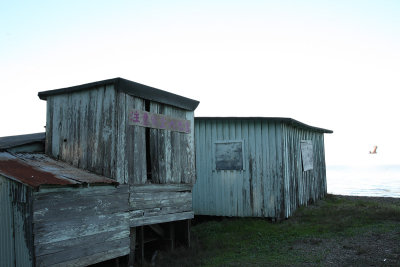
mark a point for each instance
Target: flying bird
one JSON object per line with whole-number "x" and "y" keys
{"x": 373, "y": 150}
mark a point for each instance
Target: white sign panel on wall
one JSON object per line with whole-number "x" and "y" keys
{"x": 307, "y": 154}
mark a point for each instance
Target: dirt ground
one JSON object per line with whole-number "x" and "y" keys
{"x": 368, "y": 249}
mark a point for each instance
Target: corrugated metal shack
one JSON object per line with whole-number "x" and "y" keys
{"x": 117, "y": 174}
{"x": 261, "y": 167}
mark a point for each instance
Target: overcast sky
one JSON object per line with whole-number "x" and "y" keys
{"x": 330, "y": 64}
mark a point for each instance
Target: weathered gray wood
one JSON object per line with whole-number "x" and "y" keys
{"x": 161, "y": 218}
{"x": 178, "y": 208}
{"x": 63, "y": 193}
{"x": 82, "y": 251}
{"x": 94, "y": 258}
{"x": 165, "y": 199}
{"x": 156, "y": 188}
{"x": 132, "y": 248}
{"x": 54, "y": 247}
{"x": 140, "y": 241}
{"x": 58, "y": 210}
{"x": 48, "y": 232}
{"x": 135, "y": 150}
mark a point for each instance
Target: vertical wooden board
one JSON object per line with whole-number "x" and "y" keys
{"x": 189, "y": 155}
{"x": 49, "y": 126}
{"x": 136, "y": 146}
{"x": 74, "y": 128}
{"x": 83, "y": 131}
{"x": 92, "y": 142}
{"x": 175, "y": 165}
{"x": 121, "y": 166}
{"x": 112, "y": 141}
{"x": 58, "y": 112}
{"x": 71, "y": 130}
{"x": 98, "y": 153}
{"x": 55, "y": 111}
{"x": 168, "y": 148}
{"x": 64, "y": 102}
{"x": 178, "y": 164}
{"x": 154, "y": 146}
{"x": 107, "y": 132}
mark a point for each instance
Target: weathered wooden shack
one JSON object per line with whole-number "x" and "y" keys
{"x": 117, "y": 173}
{"x": 257, "y": 166}
{"x": 53, "y": 214}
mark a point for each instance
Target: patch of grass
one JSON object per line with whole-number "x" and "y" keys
{"x": 259, "y": 242}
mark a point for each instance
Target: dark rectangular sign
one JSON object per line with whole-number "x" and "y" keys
{"x": 229, "y": 155}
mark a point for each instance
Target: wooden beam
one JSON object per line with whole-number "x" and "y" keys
{"x": 140, "y": 238}
{"x": 132, "y": 247}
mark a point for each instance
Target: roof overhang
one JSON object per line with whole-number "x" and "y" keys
{"x": 130, "y": 88}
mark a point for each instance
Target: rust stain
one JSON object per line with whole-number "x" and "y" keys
{"x": 30, "y": 175}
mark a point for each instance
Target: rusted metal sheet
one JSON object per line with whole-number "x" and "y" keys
{"x": 272, "y": 182}
{"x": 27, "y": 174}
{"x": 37, "y": 169}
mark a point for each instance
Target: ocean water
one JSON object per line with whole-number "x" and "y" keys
{"x": 375, "y": 181}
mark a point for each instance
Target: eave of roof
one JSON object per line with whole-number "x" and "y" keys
{"x": 289, "y": 121}
{"x": 131, "y": 88}
{"x": 36, "y": 170}
{"x": 19, "y": 140}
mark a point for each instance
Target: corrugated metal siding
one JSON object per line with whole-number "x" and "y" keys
{"x": 302, "y": 187}
{"x": 272, "y": 183}
{"x": 251, "y": 192}
{"x": 16, "y": 241}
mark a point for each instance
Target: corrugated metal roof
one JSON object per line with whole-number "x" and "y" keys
{"x": 38, "y": 169}
{"x": 289, "y": 121}
{"x": 131, "y": 88}
{"x": 18, "y": 140}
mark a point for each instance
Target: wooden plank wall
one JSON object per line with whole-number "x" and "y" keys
{"x": 301, "y": 188}
{"x": 90, "y": 130}
{"x": 80, "y": 226}
{"x": 81, "y": 129}
{"x": 172, "y": 153}
{"x": 155, "y": 203}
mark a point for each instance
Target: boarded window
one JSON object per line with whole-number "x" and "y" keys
{"x": 307, "y": 154}
{"x": 229, "y": 155}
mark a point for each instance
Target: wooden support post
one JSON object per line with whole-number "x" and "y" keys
{"x": 187, "y": 232}
{"x": 132, "y": 236}
{"x": 172, "y": 235}
{"x": 140, "y": 240}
